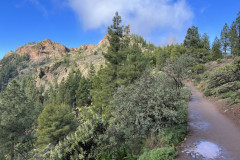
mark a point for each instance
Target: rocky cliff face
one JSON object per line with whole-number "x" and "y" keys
{"x": 80, "y": 57}
{"x": 45, "y": 48}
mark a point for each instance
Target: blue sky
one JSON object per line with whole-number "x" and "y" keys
{"x": 76, "y": 22}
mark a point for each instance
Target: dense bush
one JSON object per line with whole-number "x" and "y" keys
{"x": 148, "y": 106}
{"x": 173, "y": 135}
{"x": 8, "y": 69}
{"x": 166, "y": 153}
{"x": 231, "y": 86}
{"x": 54, "y": 123}
{"x": 82, "y": 144}
{"x": 220, "y": 76}
{"x": 198, "y": 69}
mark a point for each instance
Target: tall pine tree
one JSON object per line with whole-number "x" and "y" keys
{"x": 106, "y": 81}
{"x": 216, "y": 49}
{"x": 238, "y": 34}
{"x": 192, "y": 39}
{"x": 233, "y": 38}
{"x": 16, "y": 119}
{"x": 225, "y": 38}
{"x": 205, "y": 42}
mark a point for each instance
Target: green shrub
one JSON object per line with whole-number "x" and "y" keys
{"x": 205, "y": 75}
{"x": 148, "y": 106}
{"x": 220, "y": 77}
{"x": 219, "y": 60}
{"x": 207, "y": 92}
{"x": 237, "y": 100}
{"x": 172, "y": 136}
{"x": 231, "y": 86}
{"x": 227, "y": 94}
{"x": 166, "y": 153}
{"x": 230, "y": 101}
{"x": 198, "y": 69}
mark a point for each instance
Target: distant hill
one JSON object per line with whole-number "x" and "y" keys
{"x": 51, "y": 61}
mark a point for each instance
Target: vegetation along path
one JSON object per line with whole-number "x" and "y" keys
{"x": 212, "y": 135}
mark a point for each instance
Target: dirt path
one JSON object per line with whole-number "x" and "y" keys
{"x": 212, "y": 135}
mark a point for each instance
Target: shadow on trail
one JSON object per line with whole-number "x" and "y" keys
{"x": 212, "y": 135}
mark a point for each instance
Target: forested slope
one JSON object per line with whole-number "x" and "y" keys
{"x": 121, "y": 99}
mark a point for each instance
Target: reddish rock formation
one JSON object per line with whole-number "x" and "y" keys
{"x": 45, "y": 48}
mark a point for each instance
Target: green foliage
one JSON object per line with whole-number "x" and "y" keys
{"x": 227, "y": 94}
{"x": 66, "y": 59}
{"x": 233, "y": 37}
{"x": 216, "y": 49}
{"x": 231, "y": 86}
{"x": 91, "y": 71}
{"x": 115, "y": 33}
{"x": 55, "y": 122}
{"x": 166, "y": 153}
{"x": 223, "y": 81}
{"x": 17, "y": 115}
{"x": 173, "y": 135}
{"x": 34, "y": 94}
{"x": 9, "y": 67}
{"x": 81, "y": 144}
{"x": 148, "y": 106}
{"x": 103, "y": 88}
{"x": 225, "y": 38}
{"x": 83, "y": 92}
{"x": 177, "y": 69}
{"x": 133, "y": 67}
{"x": 192, "y": 39}
{"x": 205, "y": 42}
{"x": 139, "y": 40}
{"x": 66, "y": 92}
{"x": 198, "y": 69}
{"x": 151, "y": 46}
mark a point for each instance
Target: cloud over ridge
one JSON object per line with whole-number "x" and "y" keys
{"x": 145, "y": 17}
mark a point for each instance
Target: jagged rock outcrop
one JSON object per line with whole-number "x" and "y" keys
{"x": 45, "y": 48}
{"x": 104, "y": 41}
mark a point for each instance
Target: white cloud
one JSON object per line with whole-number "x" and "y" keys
{"x": 146, "y": 17}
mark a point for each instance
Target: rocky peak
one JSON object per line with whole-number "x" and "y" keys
{"x": 45, "y": 48}
{"x": 104, "y": 41}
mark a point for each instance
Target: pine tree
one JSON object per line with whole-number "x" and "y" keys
{"x": 192, "y": 39}
{"x": 51, "y": 95}
{"x": 61, "y": 92}
{"x": 16, "y": 119}
{"x": 205, "y": 41}
{"x": 216, "y": 49}
{"x": 225, "y": 38}
{"x": 104, "y": 86}
{"x": 133, "y": 67}
{"x": 83, "y": 92}
{"x": 115, "y": 34}
{"x": 106, "y": 81}
{"x": 92, "y": 71}
{"x": 238, "y": 34}
{"x": 233, "y": 38}
{"x": 54, "y": 123}
{"x": 162, "y": 56}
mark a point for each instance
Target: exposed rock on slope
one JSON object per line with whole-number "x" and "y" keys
{"x": 80, "y": 58}
{"x": 52, "y": 61}
{"x": 43, "y": 49}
